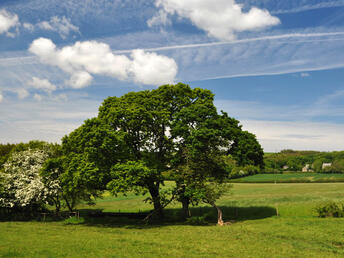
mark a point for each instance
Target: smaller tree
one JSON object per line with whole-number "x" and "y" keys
{"x": 209, "y": 193}
{"x": 78, "y": 179}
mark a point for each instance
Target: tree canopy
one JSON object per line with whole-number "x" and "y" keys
{"x": 140, "y": 135}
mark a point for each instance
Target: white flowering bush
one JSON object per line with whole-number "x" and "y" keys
{"x": 21, "y": 181}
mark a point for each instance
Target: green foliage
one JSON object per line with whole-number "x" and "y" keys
{"x": 338, "y": 166}
{"x": 98, "y": 144}
{"x": 5, "y": 150}
{"x": 132, "y": 176}
{"x": 296, "y": 160}
{"x": 74, "y": 220}
{"x": 139, "y": 136}
{"x": 197, "y": 220}
{"x": 237, "y": 172}
{"x": 330, "y": 209}
{"x": 247, "y": 150}
{"x": 78, "y": 177}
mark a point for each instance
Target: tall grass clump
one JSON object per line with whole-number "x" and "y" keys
{"x": 330, "y": 209}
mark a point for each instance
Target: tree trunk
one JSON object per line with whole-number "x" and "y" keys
{"x": 68, "y": 205}
{"x": 154, "y": 192}
{"x": 219, "y": 214}
{"x": 57, "y": 205}
{"x": 185, "y": 204}
{"x": 183, "y": 199}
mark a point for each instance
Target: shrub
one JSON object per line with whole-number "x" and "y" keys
{"x": 197, "y": 220}
{"x": 21, "y": 185}
{"x": 248, "y": 170}
{"x": 330, "y": 209}
{"x": 74, "y": 221}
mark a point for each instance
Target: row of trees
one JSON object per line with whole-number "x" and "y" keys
{"x": 133, "y": 142}
{"x": 295, "y": 160}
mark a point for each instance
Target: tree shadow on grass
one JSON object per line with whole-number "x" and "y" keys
{"x": 174, "y": 217}
{"x": 236, "y": 213}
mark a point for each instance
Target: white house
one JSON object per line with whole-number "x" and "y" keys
{"x": 306, "y": 168}
{"x": 324, "y": 165}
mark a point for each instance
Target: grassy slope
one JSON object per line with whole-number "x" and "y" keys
{"x": 257, "y": 232}
{"x": 291, "y": 177}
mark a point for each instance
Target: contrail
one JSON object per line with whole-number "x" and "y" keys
{"x": 297, "y": 70}
{"x": 310, "y": 7}
{"x": 18, "y": 60}
{"x": 33, "y": 59}
{"x": 210, "y": 44}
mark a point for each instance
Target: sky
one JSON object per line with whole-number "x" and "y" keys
{"x": 276, "y": 66}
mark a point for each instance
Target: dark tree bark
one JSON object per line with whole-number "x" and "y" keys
{"x": 154, "y": 192}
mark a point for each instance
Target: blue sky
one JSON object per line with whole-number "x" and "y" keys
{"x": 277, "y": 66}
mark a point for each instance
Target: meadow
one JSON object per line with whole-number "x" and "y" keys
{"x": 268, "y": 220}
{"x": 291, "y": 177}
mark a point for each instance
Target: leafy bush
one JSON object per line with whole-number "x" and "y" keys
{"x": 197, "y": 220}
{"x": 244, "y": 171}
{"x": 74, "y": 221}
{"x": 330, "y": 209}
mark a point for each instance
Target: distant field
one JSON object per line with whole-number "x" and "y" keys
{"x": 257, "y": 232}
{"x": 291, "y": 178}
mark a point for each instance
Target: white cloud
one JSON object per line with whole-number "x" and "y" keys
{"x": 91, "y": 57}
{"x": 79, "y": 79}
{"x": 42, "y": 84}
{"x": 305, "y": 74}
{"x": 220, "y": 19}
{"x": 37, "y": 97}
{"x": 61, "y": 25}
{"x": 8, "y": 21}
{"x": 45, "y": 25}
{"x": 22, "y": 93}
{"x": 151, "y": 68}
{"x": 1, "y": 97}
{"x": 61, "y": 97}
{"x": 160, "y": 19}
{"x": 28, "y": 26}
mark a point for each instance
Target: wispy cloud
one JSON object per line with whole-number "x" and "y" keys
{"x": 324, "y": 108}
{"x": 303, "y": 8}
{"x": 304, "y": 74}
{"x": 41, "y": 84}
{"x": 240, "y": 41}
{"x": 22, "y": 93}
{"x": 7, "y": 22}
{"x": 277, "y": 135}
{"x": 61, "y": 25}
{"x": 284, "y": 71}
{"x": 47, "y": 119}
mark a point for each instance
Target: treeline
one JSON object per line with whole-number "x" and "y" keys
{"x": 306, "y": 161}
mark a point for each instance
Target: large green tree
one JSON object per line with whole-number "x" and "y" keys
{"x": 141, "y": 134}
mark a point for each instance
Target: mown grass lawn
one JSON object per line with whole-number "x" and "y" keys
{"x": 257, "y": 232}
{"x": 291, "y": 177}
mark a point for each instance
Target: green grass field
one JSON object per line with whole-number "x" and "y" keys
{"x": 291, "y": 177}
{"x": 257, "y": 232}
